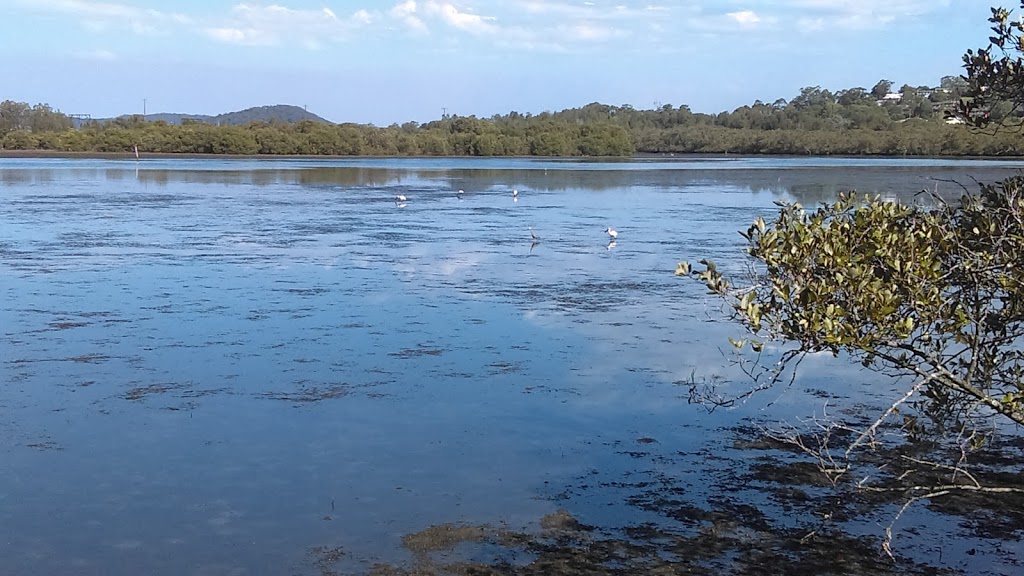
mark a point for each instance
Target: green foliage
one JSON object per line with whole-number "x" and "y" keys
{"x": 993, "y": 87}
{"x": 281, "y": 114}
{"x": 20, "y": 140}
{"x": 817, "y": 121}
{"x": 550, "y": 143}
{"x": 881, "y": 88}
{"x": 933, "y": 293}
{"x": 38, "y": 118}
{"x": 603, "y": 139}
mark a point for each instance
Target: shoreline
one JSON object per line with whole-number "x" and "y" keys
{"x": 56, "y": 154}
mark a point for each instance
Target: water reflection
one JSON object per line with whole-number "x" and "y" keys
{"x": 274, "y": 356}
{"x": 808, "y": 182}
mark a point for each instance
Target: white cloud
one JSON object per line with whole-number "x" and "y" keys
{"x": 232, "y": 35}
{"x": 101, "y": 16}
{"x": 588, "y": 10}
{"x": 405, "y": 12}
{"x": 459, "y": 19}
{"x": 273, "y": 24}
{"x": 817, "y": 15}
{"x": 538, "y": 25}
{"x": 589, "y": 32}
{"x": 359, "y": 16}
{"x": 745, "y": 17}
{"x": 535, "y": 25}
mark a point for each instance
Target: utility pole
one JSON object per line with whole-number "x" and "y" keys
{"x": 444, "y": 113}
{"x": 143, "y": 109}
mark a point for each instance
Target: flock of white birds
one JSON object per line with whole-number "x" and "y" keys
{"x": 401, "y": 201}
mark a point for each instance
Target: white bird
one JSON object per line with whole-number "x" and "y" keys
{"x": 400, "y": 198}
{"x": 515, "y": 193}
{"x": 612, "y": 233}
{"x": 460, "y": 192}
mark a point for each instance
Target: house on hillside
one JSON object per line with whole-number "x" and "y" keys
{"x": 894, "y": 97}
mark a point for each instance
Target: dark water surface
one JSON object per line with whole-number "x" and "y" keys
{"x": 215, "y": 366}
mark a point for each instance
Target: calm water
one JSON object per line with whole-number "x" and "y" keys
{"x": 213, "y": 366}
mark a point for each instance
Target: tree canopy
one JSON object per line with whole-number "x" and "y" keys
{"x": 937, "y": 294}
{"x": 993, "y": 86}
{"x": 19, "y": 116}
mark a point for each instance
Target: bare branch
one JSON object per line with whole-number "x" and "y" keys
{"x": 870, "y": 431}
{"x": 887, "y": 543}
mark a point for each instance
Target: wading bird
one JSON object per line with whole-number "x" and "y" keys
{"x": 612, "y": 233}
{"x": 400, "y": 198}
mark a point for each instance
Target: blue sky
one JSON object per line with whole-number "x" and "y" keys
{"x": 397, "y": 60}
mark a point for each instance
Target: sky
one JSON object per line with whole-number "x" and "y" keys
{"x": 391, "y": 61}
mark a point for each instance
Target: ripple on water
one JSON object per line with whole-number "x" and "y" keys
{"x": 203, "y": 360}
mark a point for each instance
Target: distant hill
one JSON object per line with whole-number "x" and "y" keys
{"x": 280, "y": 113}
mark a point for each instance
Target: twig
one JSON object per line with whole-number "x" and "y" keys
{"x": 870, "y": 432}
{"x": 887, "y": 543}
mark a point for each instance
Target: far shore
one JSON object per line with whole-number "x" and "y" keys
{"x": 43, "y": 154}
{"x": 166, "y": 155}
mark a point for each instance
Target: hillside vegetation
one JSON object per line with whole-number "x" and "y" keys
{"x": 855, "y": 121}
{"x": 279, "y": 113}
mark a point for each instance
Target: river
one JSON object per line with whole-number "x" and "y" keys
{"x": 214, "y": 366}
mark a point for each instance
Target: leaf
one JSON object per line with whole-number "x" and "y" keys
{"x": 745, "y": 300}
{"x": 759, "y": 223}
{"x": 896, "y": 285}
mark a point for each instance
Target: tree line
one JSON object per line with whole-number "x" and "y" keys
{"x": 41, "y": 118}
{"x": 855, "y": 121}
